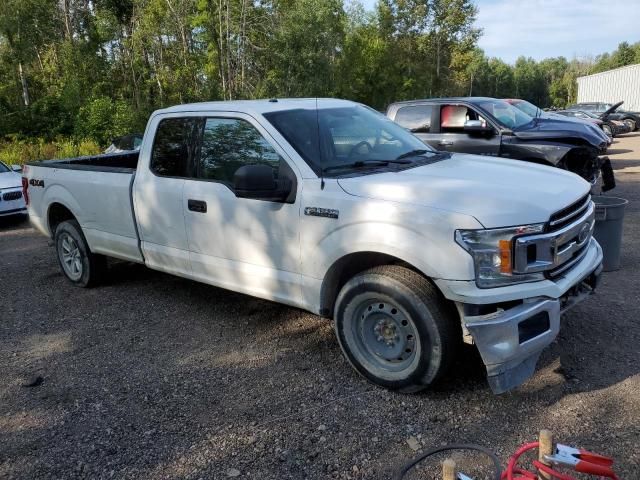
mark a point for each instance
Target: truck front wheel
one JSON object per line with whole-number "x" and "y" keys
{"x": 395, "y": 329}
{"x": 79, "y": 265}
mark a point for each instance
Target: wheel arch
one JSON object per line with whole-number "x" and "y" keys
{"x": 349, "y": 265}
{"x": 56, "y": 214}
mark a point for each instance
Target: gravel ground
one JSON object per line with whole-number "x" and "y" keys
{"x": 154, "y": 377}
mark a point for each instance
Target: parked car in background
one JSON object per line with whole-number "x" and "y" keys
{"x": 612, "y": 111}
{"x": 11, "y": 200}
{"x": 331, "y": 207}
{"x": 534, "y": 111}
{"x": 610, "y": 127}
{"x": 492, "y": 127}
{"x": 131, "y": 142}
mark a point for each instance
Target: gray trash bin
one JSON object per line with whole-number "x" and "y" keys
{"x": 608, "y": 229}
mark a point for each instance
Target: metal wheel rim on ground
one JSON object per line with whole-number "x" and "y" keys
{"x": 384, "y": 336}
{"x": 70, "y": 256}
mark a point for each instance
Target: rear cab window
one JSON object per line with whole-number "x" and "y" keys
{"x": 415, "y": 118}
{"x": 173, "y": 151}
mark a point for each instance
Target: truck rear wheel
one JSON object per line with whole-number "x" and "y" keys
{"x": 395, "y": 328}
{"x": 79, "y": 265}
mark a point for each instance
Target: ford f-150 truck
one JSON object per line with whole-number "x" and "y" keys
{"x": 329, "y": 206}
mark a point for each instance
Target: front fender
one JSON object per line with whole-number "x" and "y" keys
{"x": 423, "y": 238}
{"x": 549, "y": 153}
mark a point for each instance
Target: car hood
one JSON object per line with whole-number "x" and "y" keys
{"x": 497, "y": 192}
{"x": 10, "y": 180}
{"x": 611, "y": 109}
{"x": 556, "y": 129}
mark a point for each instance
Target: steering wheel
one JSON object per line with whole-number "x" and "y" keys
{"x": 355, "y": 148}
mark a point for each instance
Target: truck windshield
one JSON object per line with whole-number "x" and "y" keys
{"x": 351, "y": 137}
{"x": 528, "y": 108}
{"x": 506, "y": 114}
{"x": 3, "y": 168}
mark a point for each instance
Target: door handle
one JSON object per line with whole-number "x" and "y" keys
{"x": 445, "y": 143}
{"x": 197, "y": 206}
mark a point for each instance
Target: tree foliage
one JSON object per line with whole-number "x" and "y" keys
{"x": 96, "y": 68}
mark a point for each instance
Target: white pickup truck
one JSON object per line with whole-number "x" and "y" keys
{"x": 331, "y": 207}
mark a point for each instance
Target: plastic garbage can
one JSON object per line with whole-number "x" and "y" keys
{"x": 608, "y": 229}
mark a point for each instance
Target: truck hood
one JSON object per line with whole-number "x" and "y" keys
{"x": 497, "y": 192}
{"x": 561, "y": 131}
{"x": 10, "y": 180}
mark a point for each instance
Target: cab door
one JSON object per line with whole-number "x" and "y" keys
{"x": 157, "y": 194}
{"x": 243, "y": 244}
{"x": 452, "y": 137}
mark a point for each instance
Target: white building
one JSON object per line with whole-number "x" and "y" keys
{"x": 612, "y": 86}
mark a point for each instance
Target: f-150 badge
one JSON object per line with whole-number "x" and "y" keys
{"x": 321, "y": 212}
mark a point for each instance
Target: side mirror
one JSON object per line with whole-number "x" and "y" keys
{"x": 16, "y": 168}
{"x": 258, "y": 182}
{"x": 476, "y": 126}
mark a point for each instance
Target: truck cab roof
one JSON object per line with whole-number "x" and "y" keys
{"x": 445, "y": 100}
{"x": 261, "y": 106}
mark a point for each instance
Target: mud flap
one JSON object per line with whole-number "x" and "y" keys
{"x": 608, "y": 180}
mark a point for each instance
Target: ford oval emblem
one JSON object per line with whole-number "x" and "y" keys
{"x": 584, "y": 232}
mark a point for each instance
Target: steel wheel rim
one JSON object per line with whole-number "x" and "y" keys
{"x": 384, "y": 336}
{"x": 70, "y": 256}
{"x": 607, "y": 130}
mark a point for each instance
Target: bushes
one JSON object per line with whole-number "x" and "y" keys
{"x": 104, "y": 119}
{"x": 21, "y": 151}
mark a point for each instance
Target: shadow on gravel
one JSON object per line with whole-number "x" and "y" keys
{"x": 618, "y": 151}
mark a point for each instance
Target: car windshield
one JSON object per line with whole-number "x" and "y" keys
{"x": 348, "y": 138}
{"x": 505, "y": 113}
{"x": 4, "y": 168}
{"x": 528, "y": 108}
{"x": 590, "y": 114}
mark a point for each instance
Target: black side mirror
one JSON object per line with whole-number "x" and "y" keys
{"x": 476, "y": 126}
{"x": 258, "y": 182}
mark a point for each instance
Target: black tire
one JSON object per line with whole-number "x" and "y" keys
{"x": 608, "y": 130}
{"x": 81, "y": 267}
{"x": 391, "y": 295}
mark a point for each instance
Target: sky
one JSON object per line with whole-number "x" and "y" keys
{"x": 550, "y": 28}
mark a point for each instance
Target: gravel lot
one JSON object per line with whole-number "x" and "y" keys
{"x": 154, "y": 377}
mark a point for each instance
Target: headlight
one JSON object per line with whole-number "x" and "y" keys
{"x": 492, "y": 252}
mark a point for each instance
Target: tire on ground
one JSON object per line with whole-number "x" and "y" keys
{"x": 377, "y": 314}
{"x": 79, "y": 265}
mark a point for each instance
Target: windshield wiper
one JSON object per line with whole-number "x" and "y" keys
{"x": 366, "y": 163}
{"x": 413, "y": 153}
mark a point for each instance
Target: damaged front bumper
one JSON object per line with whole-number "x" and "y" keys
{"x": 511, "y": 334}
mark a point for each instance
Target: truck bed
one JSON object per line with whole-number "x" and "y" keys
{"x": 97, "y": 191}
{"x": 121, "y": 162}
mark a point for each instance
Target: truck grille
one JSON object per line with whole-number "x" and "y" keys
{"x": 566, "y": 215}
{"x": 561, "y": 246}
{"x": 11, "y": 196}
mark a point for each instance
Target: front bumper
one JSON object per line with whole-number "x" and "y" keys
{"x": 11, "y": 202}
{"x": 511, "y": 336}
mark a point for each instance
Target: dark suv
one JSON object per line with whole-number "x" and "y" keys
{"x": 611, "y": 111}
{"x": 488, "y": 126}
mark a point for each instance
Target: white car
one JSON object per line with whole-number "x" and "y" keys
{"x": 331, "y": 207}
{"x": 11, "y": 201}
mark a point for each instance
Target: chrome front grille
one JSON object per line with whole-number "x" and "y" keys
{"x": 8, "y": 196}
{"x": 561, "y": 246}
{"x": 566, "y": 215}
